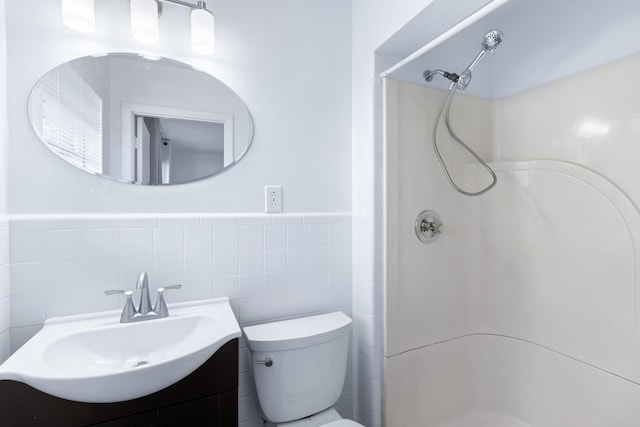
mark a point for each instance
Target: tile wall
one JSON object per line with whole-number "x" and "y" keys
{"x": 271, "y": 266}
{"x": 5, "y": 291}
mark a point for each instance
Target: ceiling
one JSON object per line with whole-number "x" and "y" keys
{"x": 544, "y": 41}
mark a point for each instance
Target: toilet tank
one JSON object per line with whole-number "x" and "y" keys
{"x": 309, "y": 363}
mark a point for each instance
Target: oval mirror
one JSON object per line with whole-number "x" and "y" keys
{"x": 140, "y": 120}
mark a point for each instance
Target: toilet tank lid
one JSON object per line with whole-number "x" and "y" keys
{"x": 297, "y": 333}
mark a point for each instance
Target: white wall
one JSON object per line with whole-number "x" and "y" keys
{"x": 73, "y": 235}
{"x": 290, "y": 67}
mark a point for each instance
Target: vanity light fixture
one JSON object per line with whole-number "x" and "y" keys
{"x": 144, "y": 20}
{"x": 79, "y": 15}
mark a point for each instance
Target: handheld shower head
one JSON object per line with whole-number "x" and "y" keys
{"x": 491, "y": 40}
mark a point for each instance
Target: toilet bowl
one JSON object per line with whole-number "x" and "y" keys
{"x": 299, "y": 367}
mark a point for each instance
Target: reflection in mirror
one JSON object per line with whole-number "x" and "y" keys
{"x": 140, "y": 120}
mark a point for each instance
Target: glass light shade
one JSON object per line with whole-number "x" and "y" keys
{"x": 144, "y": 21}
{"x": 79, "y": 15}
{"x": 203, "y": 33}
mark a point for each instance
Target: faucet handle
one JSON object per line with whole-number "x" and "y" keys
{"x": 129, "y": 310}
{"x": 161, "y": 306}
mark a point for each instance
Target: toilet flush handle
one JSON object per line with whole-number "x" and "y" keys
{"x": 268, "y": 362}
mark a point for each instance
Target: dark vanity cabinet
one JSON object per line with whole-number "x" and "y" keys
{"x": 207, "y": 397}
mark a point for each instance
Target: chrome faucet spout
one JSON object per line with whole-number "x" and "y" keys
{"x": 145, "y": 300}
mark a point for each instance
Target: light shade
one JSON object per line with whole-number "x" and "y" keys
{"x": 144, "y": 21}
{"x": 79, "y": 15}
{"x": 203, "y": 32}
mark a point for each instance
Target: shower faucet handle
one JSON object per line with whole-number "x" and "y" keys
{"x": 428, "y": 226}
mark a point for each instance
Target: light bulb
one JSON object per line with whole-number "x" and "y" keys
{"x": 203, "y": 34}
{"x": 79, "y": 15}
{"x": 144, "y": 21}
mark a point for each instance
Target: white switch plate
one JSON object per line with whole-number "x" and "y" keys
{"x": 273, "y": 198}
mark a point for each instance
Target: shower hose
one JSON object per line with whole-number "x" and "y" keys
{"x": 446, "y": 105}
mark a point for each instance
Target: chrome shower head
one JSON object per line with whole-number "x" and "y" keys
{"x": 491, "y": 40}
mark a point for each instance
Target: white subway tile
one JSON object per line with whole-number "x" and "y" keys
{"x": 226, "y": 286}
{"x": 79, "y": 301}
{"x": 340, "y": 233}
{"x": 275, "y": 260}
{"x": 225, "y": 239}
{"x": 245, "y": 384}
{"x": 168, "y": 240}
{"x": 63, "y": 275}
{"x": 250, "y": 310}
{"x": 19, "y": 336}
{"x": 27, "y": 245}
{"x": 130, "y": 269}
{"x": 4, "y": 247}
{"x": 136, "y": 242}
{"x": 297, "y": 281}
{"x": 318, "y": 278}
{"x": 101, "y": 272}
{"x": 247, "y": 409}
{"x": 198, "y": 266}
{"x": 63, "y": 244}
{"x": 251, "y": 286}
{"x": 5, "y": 345}
{"x": 168, "y": 268}
{"x": 275, "y": 283}
{"x": 27, "y": 310}
{"x": 5, "y": 313}
{"x": 101, "y": 243}
{"x": 244, "y": 359}
{"x": 319, "y": 300}
{"x": 251, "y": 237}
{"x": 192, "y": 289}
{"x": 318, "y": 234}
{"x": 339, "y": 255}
{"x": 275, "y": 306}
{"x": 27, "y": 278}
{"x": 297, "y": 304}
{"x": 251, "y": 262}
{"x": 198, "y": 240}
{"x": 275, "y": 236}
{"x": 297, "y": 257}
{"x": 5, "y": 285}
{"x": 297, "y": 235}
{"x": 340, "y": 297}
{"x": 225, "y": 264}
{"x": 340, "y": 276}
{"x": 318, "y": 256}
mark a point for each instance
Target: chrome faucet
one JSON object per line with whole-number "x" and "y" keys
{"x": 144, "y": 310}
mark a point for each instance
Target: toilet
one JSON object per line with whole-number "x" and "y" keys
{"x": 299, "y": 367}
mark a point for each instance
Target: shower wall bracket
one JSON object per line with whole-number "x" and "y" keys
{"x": 428, "y": 226}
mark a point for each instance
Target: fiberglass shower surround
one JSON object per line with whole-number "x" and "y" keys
{"x": 490, "y": 42}
{"x": 526, "y": 311}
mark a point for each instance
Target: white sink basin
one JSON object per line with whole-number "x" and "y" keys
{"x": 95, "y": 358}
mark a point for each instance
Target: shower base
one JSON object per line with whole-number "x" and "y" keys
{"x": 483, "y": 419}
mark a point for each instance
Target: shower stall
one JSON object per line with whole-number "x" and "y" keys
{"x": 520, "y": 308}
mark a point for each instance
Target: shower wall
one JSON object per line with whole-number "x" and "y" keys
{"x": 524, "y": 312}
